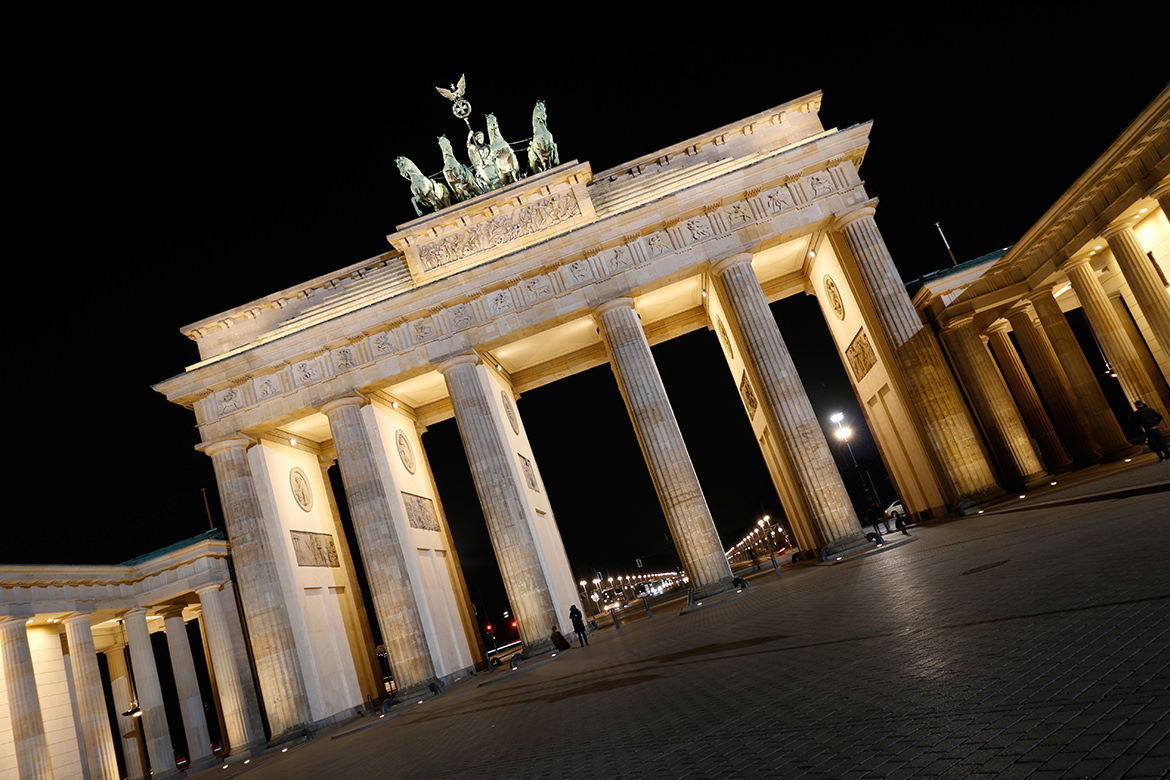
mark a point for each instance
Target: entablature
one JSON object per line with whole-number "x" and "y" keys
{"x": 371, "y": 346}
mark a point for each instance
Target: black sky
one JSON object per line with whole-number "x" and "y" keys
{"x": 169, "y": 175}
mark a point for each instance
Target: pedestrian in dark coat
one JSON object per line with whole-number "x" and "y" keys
{"x": 578, "y": 625}
{"x": 1149, "y": 419}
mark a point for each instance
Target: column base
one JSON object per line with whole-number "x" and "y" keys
{"x": 721, "y": 585}
{"x": 299, "y": 731}
{"x": 845, "y": 545}
{"x": 540, "y": 647}
{"x": 425, "y": 688}
{"x": 203, "y": 763}
{"x": 1123, "y": 452}
{"x": 1034, "y": 481}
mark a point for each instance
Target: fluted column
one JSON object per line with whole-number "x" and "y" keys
{"x": 1002, "y": 424}
{"x": 382, "y": 549}
{"x": 932, "y": 388}
{"x": 1056, "y": 461}
{"x": 269, "y": 629}
{"x": 229, "y": 686}
{"x": 1110, "y": 333}
{"x": 187, "y": 685}
{"x": 127, "y": 725}
{"x": 24, "y": 704}
{"x": 146, "y": 687}
{"x": 1107, "y": 437}
{"x": 667, "y": 459}
{"x": 1148, "y": 289}
{"x": 787, "y": 405}
{"x": 1161, "y": 193}
{"x": 91, "y": 699}
{"x": 1068, "y": 416}
{"x": 504, "y": 508}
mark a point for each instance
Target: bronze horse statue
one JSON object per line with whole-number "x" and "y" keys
{"x": 542, "y": 150}
{"x": 423, "y": 190}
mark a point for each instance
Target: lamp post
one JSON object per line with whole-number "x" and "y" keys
{"x": 844, "y": 432}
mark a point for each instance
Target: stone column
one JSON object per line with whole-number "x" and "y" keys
{"x": 91, "y": 699}
{"x": 1106, "y": 433}
{"x": 1110, "y": 332}
{"x": 230, "y": 601}
{"x": 1002, "y": 424}
{"x": 1055, "y": 459}
{"x": 159, "y": 750}
{"x": 671, "y": 469}
{"x": 1068, "y": 416}
{"x": 274, "y": 651}
{"x": 1148, "y": 289}
{"x": 382, "y": 550}
{"x": 504, "y": 507}
{"x": 187, "y": 685}
{"x": 24, "y": 704}
{"x": 232, "y": 702}
{"x": 127, "y": 726}
{"x": 1161, "y": 193}
{"x": 787, "y": 405}
{"x": 932, "y": 388}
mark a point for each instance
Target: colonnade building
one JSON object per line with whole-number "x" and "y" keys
{"x": 560, "y": 272}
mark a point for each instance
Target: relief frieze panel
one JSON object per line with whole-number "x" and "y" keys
{"x": 860, "y": 355}
{"x": 778, "y": 199}
{"x": 315, "y": 549}
{"x": 530, "y": 219}
{"x": 384, "y": 343}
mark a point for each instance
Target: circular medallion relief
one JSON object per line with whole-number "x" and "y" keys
{"x": 834, "y": 296}
{"x": 405, "y": 451}
{"x": 510, "y": 411}
{"x": 301, "y": 489}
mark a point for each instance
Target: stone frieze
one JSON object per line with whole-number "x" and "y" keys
{"x": 550, "y": 281}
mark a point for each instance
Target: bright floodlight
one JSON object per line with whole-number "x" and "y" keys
{"x": 838, "y": 417}
{"x": 844, "y": 433}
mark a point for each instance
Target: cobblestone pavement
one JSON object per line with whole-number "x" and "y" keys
{"x": 1030, "y": 641}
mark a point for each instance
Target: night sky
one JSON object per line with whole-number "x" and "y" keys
{"x": 166, "y": 178}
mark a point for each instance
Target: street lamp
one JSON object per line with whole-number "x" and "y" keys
{"x": 843, "y": 433}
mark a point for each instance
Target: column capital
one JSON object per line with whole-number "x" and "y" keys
{"x": 1032, "y": 296}
{"x": 1161, "y": 190}
{"x": 235, "y": 441}
{"x": 999, "y": 326}
{"x": 211, "y": 586}
{"x": 76, "y": 617}
{"x": 471, "y": 358}
{"x": 613, "y": 303}
{"x": 168, "y": 611}
{"x": 959, "y": 320}
{"x": 349, "y": 399}
{"x": 1115, "y": 228}
{"x": 1074, "y": 262}
{"x": 866, "y": 209}
{"x": 719, "y": 267}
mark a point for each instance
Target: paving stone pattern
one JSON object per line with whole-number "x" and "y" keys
{"x": 1026, "y": 642}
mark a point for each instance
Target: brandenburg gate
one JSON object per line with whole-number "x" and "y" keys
{"x": 506, "y": 288}
{"x": 553, "y": 274}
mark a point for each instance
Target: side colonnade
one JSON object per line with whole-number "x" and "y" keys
{"x": 54, "y": 720}
{"x": 1026, "y": 373}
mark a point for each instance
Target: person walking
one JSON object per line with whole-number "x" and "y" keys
{"x": 578, "y": 625}
{"x": 1149, "y": 419}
